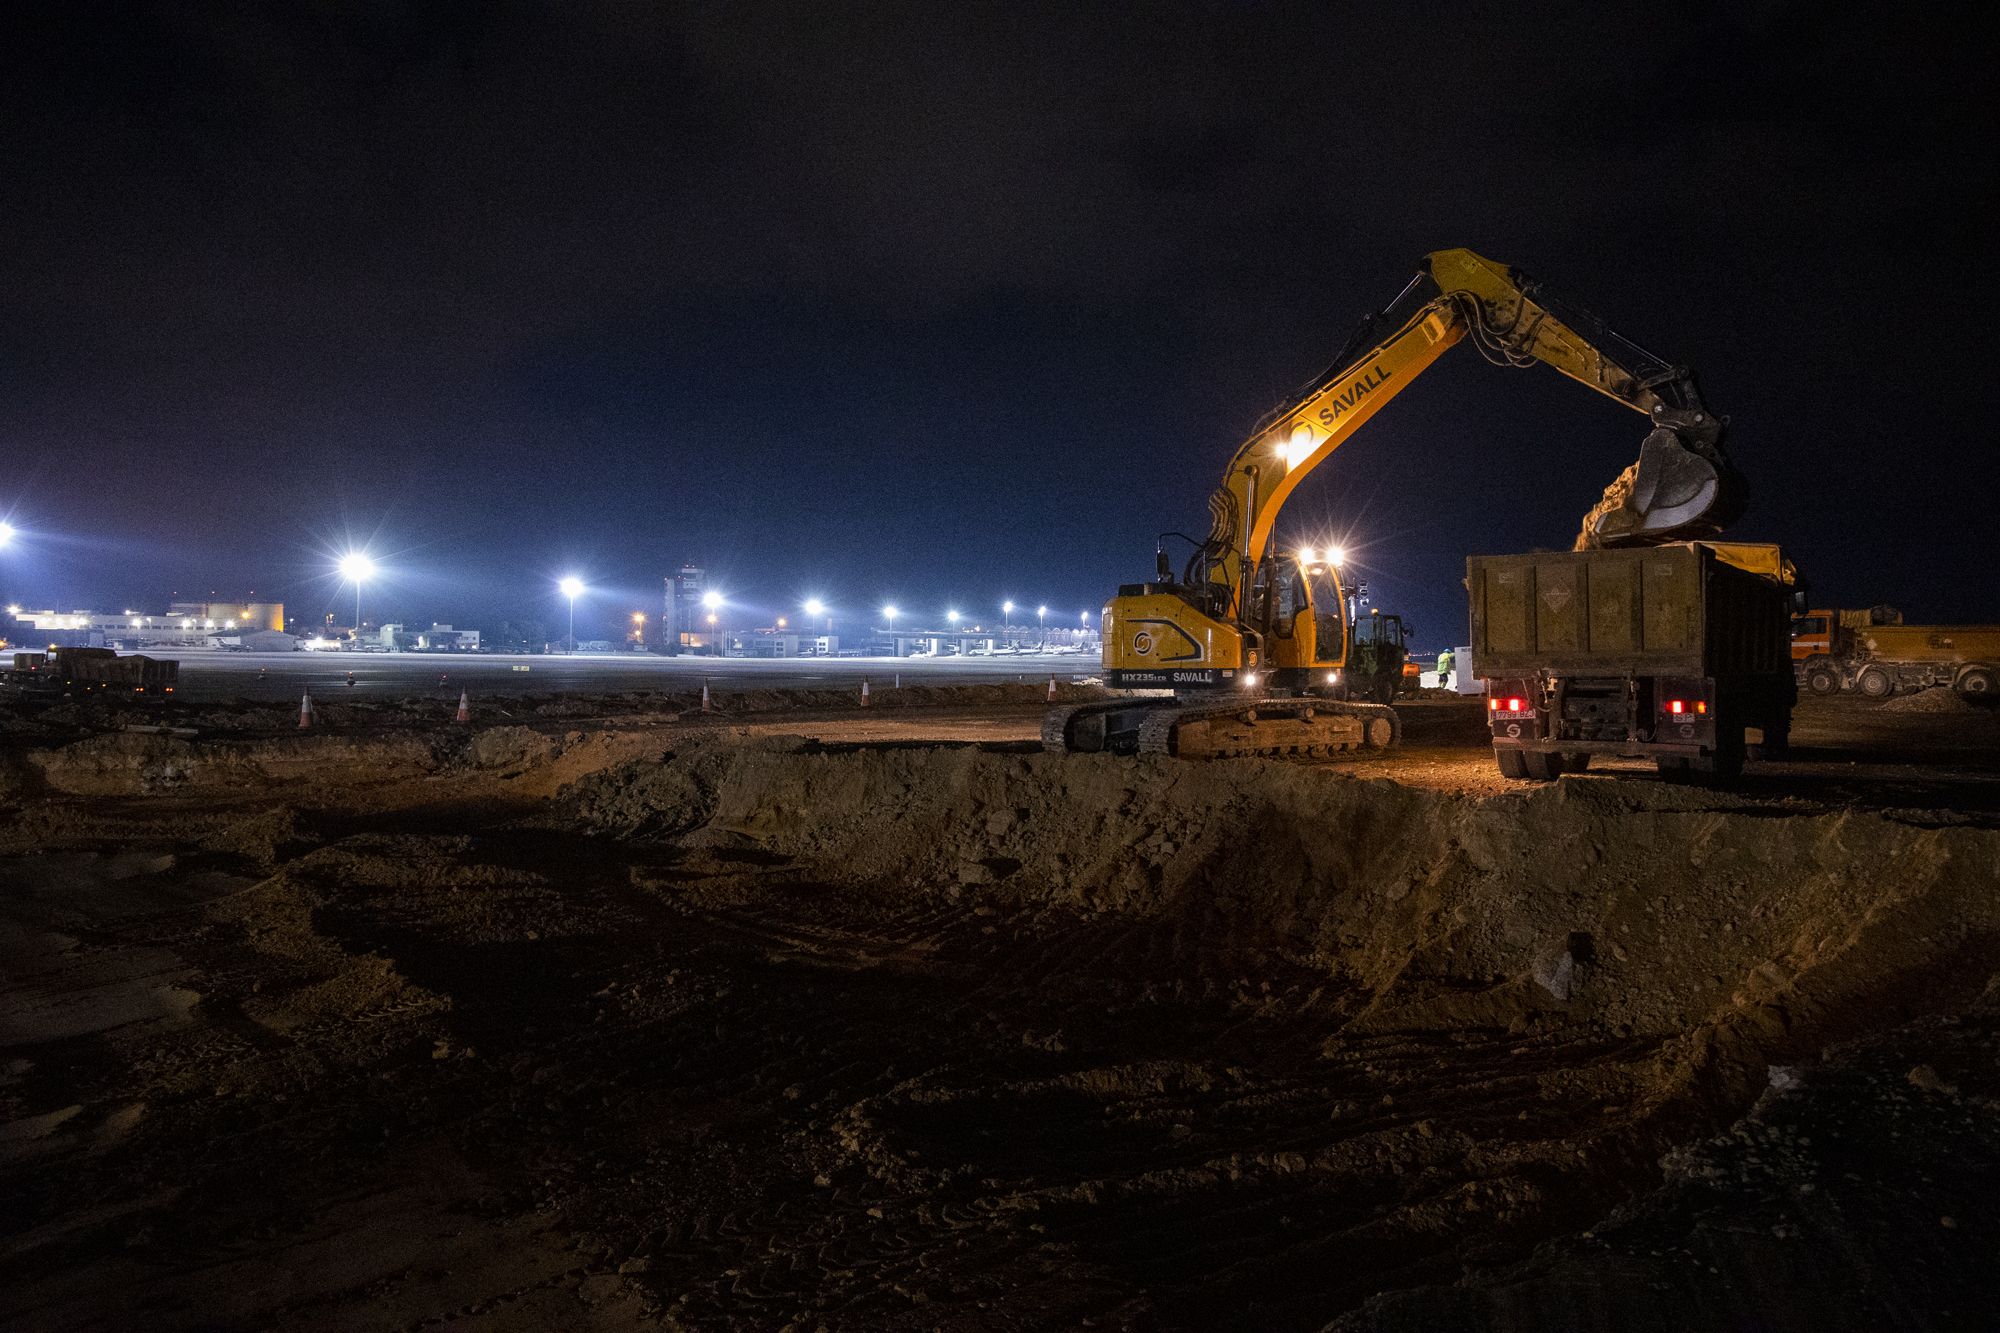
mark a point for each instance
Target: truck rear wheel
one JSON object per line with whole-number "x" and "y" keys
{"x": 1822, "y": 680}
{"x": 1978, "y": 685}
{"x": 1724, "y": 765}
{"x": 1777, "y": 740}
{"x": 1575, "y": 761}
{"x": 1511, "y": 764}
{"x": 1542, "y": 765}
{"x": 1875, "y": 683}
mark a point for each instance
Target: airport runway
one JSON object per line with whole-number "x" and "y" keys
{"x": 226, "y": 675}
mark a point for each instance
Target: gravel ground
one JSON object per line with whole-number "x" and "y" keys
{"x": 638, "y": 1017}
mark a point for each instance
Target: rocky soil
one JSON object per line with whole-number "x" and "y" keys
{"x": 655, "y": 1024}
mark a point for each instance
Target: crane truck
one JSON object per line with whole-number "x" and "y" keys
{"x": 1250, "y": 650}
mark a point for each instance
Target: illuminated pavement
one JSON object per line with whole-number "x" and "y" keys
{"x": 221, "y": 675}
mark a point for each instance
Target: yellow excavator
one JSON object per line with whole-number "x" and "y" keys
{"x": 1256, "y": 645}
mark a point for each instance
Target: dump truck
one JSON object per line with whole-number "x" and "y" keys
{"x": 1813, "y": 631}
{"x": 1875, "y": 654}
{"x": 1676, "y": 653}
{"x": 93, "y": 671}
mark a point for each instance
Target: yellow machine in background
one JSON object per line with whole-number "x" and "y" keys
{"x": 1255, "y": 644}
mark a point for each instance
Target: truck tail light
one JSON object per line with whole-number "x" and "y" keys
{"x": 1678, "y": 707}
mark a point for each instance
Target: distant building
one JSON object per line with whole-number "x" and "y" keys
{"x": 685, "y": 622}
{"x": 261, "y": 641}
{"x": 436, "y": 639}
{"x": 230, "y": 615}
{"x": 184, "y": 625}
{"x": 445, "y": 639}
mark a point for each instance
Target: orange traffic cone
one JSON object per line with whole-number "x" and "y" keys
{"x": 707, "y": 706}
{"x": 864, "y": 693}
{"x": 305, "y": 711}
{"x": 1052, "y": 689}
{"x": 464, "y": 707}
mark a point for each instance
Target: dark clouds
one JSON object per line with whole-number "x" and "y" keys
{"x": 954, "y": 300}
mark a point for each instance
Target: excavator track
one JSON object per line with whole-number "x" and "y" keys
{"x": 1222, "y": 728}
{"x": 1056, "y": 725}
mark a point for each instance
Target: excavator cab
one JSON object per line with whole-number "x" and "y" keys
{"x": 1298, "y": 603}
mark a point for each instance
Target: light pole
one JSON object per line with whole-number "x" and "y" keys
{"x": 1042, "y": 627}
{"x": 358, "y": 567}
{"x": 713, "y": 601}
{"x": 815, "y": 608}
{"x": 639, "y": 628}
{"x": 572, "y": 588}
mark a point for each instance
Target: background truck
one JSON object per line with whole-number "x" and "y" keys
{"x": 1875, "y": 653}
{"x": 92, "y": 671}
{"x": 1813, "y": 632}
{"x": 1672, "y": 653}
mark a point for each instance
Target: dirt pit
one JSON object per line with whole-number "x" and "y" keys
{"x": 696, "y": 1030}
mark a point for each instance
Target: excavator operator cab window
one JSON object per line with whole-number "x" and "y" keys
{"x": 1277, "y": 596}
{"x": 1323, "y": 592}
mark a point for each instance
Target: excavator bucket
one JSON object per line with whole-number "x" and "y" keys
{"x": 1679, "y": 489}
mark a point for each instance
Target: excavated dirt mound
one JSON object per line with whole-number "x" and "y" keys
{"x": 1939, "y": 700}
{"x": 574, "y": 1030}
{"x": 1637, "y": 909}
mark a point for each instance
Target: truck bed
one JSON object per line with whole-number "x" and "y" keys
{"x": 1693, "y": 608}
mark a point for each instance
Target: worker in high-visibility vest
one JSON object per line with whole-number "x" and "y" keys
{"x": 1444, "y": 669}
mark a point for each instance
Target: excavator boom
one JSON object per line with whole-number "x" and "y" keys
{"x": 1682, "y": 485}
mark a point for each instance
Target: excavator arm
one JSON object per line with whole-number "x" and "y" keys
{"x": 1682, "y": 485}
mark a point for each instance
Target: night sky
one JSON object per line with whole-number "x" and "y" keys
{"x": 946, "y": 303}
